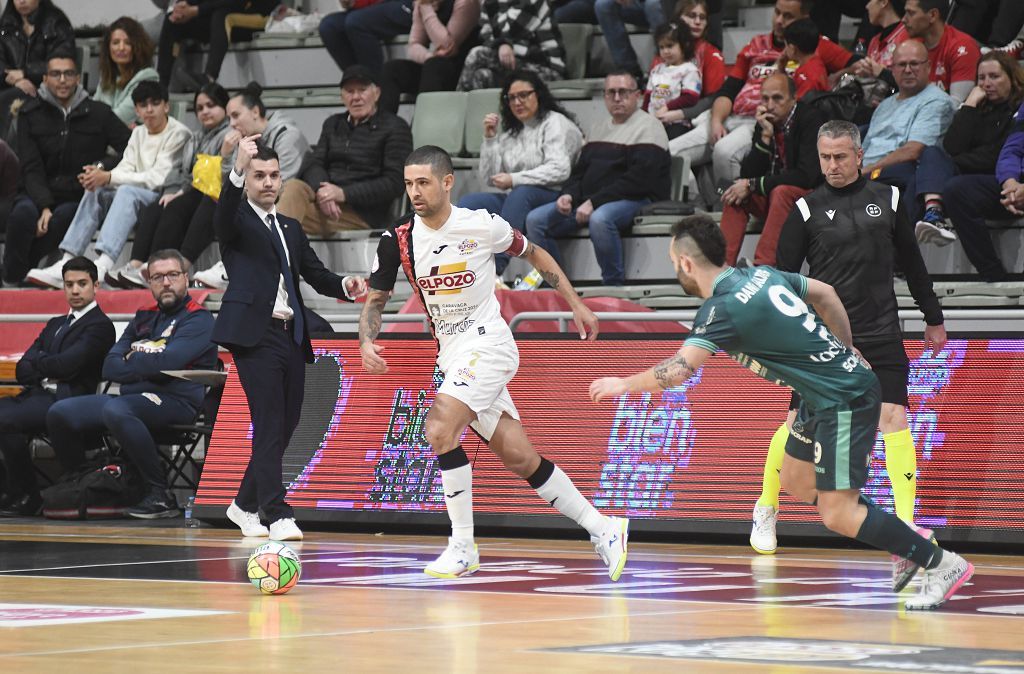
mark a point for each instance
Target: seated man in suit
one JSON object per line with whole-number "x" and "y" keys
{"x": 172, "y": 335}
{"x": 64, "y": 361}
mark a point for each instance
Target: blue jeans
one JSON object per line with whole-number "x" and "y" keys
{"x": 969, "y": 200}
{"x": 613, "y": 18}
{"x": 544, "y": 224}
{"x": 935, "y": 168}
{"x": 357, "y": 36}
{"x": 576, "y": 11}
{"x": 116, "y": 209}
{"x": 513, "y": 207}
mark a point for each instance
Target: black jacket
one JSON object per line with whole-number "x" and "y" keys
{"x": 976, "y": 136}
{"x": 52, "y": 32}
{"x": 72, "y": 357}
{"x": 367, "y": 161}
{"x": 54, "y": 148}
{"x": 801, "y": 150}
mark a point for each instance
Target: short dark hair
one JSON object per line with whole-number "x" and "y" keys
{"x": 265, "y": 153}
{"x": 65, "y": 53}
{"x": 149, "y": 90}
{"x": 215, "y": 92}
{"x": 170, "y": 254}
{"x": 81, "y": 263}
{"x": 941, "y": 5}
{"x": 802, "y": 34}
{"x": 439, "y": 160}
{"x": 623, "y": 72}
{"x": 705, "y": 234}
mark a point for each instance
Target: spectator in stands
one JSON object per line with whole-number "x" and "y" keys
{"x": 126, "y": 60}
{"x": 173, "y": 335}
{"x": 781, "y": 167}
{"x": 182, "y": 218}
{"x": 10, "y": 180}
{"x": 996, "y": 23}
{"x": 953, "y": 54}
{"x": 972, "y": 144}
{"x": 64, "y": 361}
{"x": 623, "y": 166}
{"x": 531, "y": 158}
{"x": 514, "y": 35}
{"x": 613, "y": 15}
{"x": 722, "y": 135}
{"x": 31, "y": 31}
{"x": 885, "y": 15}
{"x": 353, "y": 174}
{"x": 905, "y": 124}
{"x": 451, "y": 28}
{"x": 202, "y": 20}
{"x": 674, "y": 82}
{"x": 114, "y": 198}
{"x": 801, "y": 42}
{"x": 248, "y": 116}
{"x": 357, "y": 34}
{"x": 59, "y": 132}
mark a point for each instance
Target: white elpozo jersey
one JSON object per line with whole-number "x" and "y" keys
{"x": 452, "y": 268}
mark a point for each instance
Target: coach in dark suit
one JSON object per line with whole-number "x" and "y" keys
{"x": 262, "y": 323}
{"x": 64, "y": 361}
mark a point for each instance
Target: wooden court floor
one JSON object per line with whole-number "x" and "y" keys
{"x": 108, "y": 598}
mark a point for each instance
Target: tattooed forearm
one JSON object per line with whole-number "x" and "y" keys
{"x": 370, "y": 320}
{"x": 552, "y": 278}
{"x": 530, "y": 250}
{"x": 672, "y": 372}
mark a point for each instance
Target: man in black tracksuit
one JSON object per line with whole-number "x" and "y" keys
{"x": 853, "y": 232}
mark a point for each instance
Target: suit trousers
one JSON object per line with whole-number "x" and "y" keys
{"x": 272, "y": 374}
{"x": 21, "y": 418}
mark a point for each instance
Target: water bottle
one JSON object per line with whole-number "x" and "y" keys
{"x": 190, "y": 521}
{"x": 861, "y": 48}
{"x": 529, "y": 282}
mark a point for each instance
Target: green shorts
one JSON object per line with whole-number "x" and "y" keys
{"x": 837, "y": 440}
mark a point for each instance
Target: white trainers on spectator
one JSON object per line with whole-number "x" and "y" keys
{"x": 215, "y": 277}
{"x": 762, "y": 536}
{"x": 48, "y": 277}
{"x": 284, "y": 529}
{"x": 460, "y": 558}
{"x": 941, "y": 583}
{"x": 903, "y": 570}
{"x": 127, "y": 277}
{"x": 248, "y": 522}
{"x": 612, "y": 545}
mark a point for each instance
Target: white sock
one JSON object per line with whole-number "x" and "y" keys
{"x": 560, "y": 492}
{"x": 458, "y": 498}
{"x": 105, "y": 261}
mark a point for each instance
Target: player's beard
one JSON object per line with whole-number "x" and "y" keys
{"x": 689, "y": 285}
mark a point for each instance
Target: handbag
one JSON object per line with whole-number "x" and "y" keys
{"x": 206, "y": 174}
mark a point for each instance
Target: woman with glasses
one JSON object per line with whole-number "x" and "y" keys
{"x": 530, "y": 159}
{"x": 126, "y": 59}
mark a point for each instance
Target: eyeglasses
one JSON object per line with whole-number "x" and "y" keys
{"x": 172, "y": 276}
{"x": 519, "y": 97}
{"x": 618, "y": 93}
{"x": 62, "y": 74}
{"x": 904, "y": 65}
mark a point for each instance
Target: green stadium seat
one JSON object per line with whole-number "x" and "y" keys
{"x": 479, "y": 103}
{"x": 440, "y": 119}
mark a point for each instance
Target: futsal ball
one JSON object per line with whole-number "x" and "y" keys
{"x": 274, "y": 568}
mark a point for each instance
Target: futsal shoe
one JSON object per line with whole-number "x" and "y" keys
{"x": 903, "y": 570}
{"x": 612, "y": 545}
{"x": 762, "y": 536}
{"x": 285, "y": 529}
{"x": 460, "y": 558}
{"x": 941, "y": 583}
{"x": 248, "y": 522}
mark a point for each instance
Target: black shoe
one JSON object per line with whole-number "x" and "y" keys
{"x": 5, "y": 500}
{"x": 156, "y": 505}
{"x": 29, "y": 505}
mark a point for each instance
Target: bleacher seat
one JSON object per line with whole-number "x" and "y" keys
{"x": 479, "y": 103}
{"x": 440, "y": 120}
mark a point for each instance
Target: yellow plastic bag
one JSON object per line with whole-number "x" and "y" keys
{"x": 206, "y": 174}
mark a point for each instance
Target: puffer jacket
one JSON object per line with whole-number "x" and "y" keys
{"x": 30, "y": 53}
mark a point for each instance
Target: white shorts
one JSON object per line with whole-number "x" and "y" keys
{"x": 479, "y": 377}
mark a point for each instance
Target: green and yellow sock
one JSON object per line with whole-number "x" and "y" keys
{"x": 770, "y": 486}
{"x": 901, "y": 465}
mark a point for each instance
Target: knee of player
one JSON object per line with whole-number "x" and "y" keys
{"x": 439, "y": 435}
{"x": 836, "y": 516}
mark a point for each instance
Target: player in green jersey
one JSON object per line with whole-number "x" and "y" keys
{"x": 761, "y": 318}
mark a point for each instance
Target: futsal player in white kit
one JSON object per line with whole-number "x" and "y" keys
{"x": 448, "y": 255}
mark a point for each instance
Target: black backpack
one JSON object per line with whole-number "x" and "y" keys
{"x": 104, "y": 489}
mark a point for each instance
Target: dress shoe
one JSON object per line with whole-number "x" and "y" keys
{"x": 5, "y": 500}
{"x": 29, "y": 505}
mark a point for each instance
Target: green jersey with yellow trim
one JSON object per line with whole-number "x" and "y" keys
{"x": 758, "y": 316}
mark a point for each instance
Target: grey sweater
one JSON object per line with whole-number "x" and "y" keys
{"x": 541, "y": 154}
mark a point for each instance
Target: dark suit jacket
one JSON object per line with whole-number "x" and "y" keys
{"x": 73, "y": 359}
{"x": 254, "y": 269}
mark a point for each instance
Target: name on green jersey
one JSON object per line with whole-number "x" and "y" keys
{"x": 751, "y": 287}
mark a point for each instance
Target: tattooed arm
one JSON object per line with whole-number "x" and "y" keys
{"x": 369, "y": 328}
{"x": 586, "y": 321}
{"x": 667, "y": 374}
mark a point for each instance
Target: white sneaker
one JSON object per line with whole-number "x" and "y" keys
{"x": 762, "y": 536}
{"x": 941, "y": 583}
{"x": 613, "y": 545}
{"x": 102, "y": 271}
{"x": 49, "y": 277}
{"x": 460, "y": 558}
{"x": 215, "y": 277}
{"x": 903, "y": 570}
{"x": 248, "y": 522}
{"x": 127, "y": 277}
{"x": 285, "y": 529}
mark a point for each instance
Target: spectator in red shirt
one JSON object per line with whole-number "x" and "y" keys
{"x": 801, "y": 38}
{"x": 953, "y": 54}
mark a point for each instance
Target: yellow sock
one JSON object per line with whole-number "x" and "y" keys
{"x": 901, "y": 465}
{"x": 772, "y": 466}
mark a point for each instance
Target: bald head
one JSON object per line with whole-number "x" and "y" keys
{"x": 911, "y": 49}
{"x": 910, "y": 66}
{"x": 778, "y": 97}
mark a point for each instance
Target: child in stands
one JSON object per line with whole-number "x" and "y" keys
{"x": 801, "y": 39}
{"x": 675, "y": 82}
